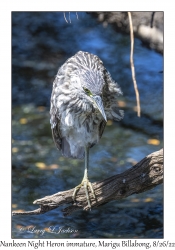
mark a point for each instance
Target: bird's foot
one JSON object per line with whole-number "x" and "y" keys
{"x": 86, "y": 183}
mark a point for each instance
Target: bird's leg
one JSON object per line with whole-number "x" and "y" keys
{"x": 85, "y": 182}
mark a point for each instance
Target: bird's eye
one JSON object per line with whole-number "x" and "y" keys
{"x": 88, "y": 92}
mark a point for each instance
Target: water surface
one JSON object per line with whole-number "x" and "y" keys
{"x": 41, "y": 42}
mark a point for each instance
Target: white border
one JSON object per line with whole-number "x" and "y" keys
{"x": 5, "y": 94}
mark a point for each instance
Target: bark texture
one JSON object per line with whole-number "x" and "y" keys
{"x": 145, "y": 175}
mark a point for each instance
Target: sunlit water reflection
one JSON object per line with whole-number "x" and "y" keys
{"x": 41, "y": 43}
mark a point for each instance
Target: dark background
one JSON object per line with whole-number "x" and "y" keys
{"x": 41, "y": 43}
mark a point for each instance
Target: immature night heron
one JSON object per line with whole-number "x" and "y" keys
{"x": 83, "y": 98}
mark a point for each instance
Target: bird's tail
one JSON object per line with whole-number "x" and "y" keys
{"x": 76, "y": 152}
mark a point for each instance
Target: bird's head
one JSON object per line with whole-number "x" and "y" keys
{"x": 92, "y": 84}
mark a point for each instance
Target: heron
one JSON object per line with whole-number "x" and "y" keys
{"x": 84, "y": 96}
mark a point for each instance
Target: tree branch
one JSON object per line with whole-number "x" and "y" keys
{"x": 145, "y": 175}
{"x": 132, "y": 64}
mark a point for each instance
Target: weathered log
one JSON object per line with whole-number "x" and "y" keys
{"x": 145, "y": 175}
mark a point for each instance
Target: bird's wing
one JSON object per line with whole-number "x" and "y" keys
{"x": 111, "y": 93}
{"x": 54, "y": 116}
{"x": 57, "y": 135}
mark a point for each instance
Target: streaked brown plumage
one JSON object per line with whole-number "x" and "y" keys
{"x": 84, "y": 96}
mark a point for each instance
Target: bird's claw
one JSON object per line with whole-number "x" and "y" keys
{"x": 86, "y": 183}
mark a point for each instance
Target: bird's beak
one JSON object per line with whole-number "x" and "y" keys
{"x": 99, "y": 104}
